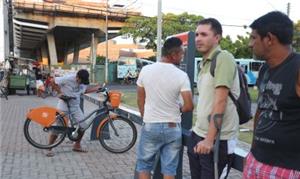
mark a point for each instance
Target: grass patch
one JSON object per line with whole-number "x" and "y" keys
{"x": 246, "y": 136}
{"x": 253, "y": 94}
{"x": 129, "y": 98}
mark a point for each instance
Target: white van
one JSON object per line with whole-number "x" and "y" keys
{"x": 131, "y": 65}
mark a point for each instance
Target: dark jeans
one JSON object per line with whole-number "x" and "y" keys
{"x": 202, "y": 165}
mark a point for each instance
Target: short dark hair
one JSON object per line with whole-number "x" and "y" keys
{"x": 83, "y": 75}
{"x": 214, "y": 23}
{"x": 171, "y": 45}
{"x": 276, "y": 23}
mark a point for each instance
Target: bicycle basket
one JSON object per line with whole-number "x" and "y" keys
{"x": 114, "y": 98}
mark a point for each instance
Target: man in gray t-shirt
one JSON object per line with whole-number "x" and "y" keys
{"x": 70, "y": 87}
{"x": 73, "y": 86}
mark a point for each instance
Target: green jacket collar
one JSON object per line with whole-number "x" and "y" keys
{"x": 217, "y": 48}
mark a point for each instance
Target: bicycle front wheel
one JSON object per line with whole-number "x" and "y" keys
{"x": 39, "y": 136}
{"x": 4, "y": 92}
{"x": 118, "y": 135}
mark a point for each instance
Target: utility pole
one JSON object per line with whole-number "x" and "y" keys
{"x": 7, "y": 29}
{"x": 2, "y": 32}
{"x": 288, "y": 9}
{"x": 106, "y": 44}
{"x": 159, "y": 20}
{"x": 93, "y": 57}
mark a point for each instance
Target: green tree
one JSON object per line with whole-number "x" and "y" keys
{"x": 152, "y": 58}
{"x": 227, "y": 44}
{"x": 100, "y": 60}
{"x": 241, "y": 47}
{"x": 296, "y": 40}
{"x": 144, "y": 29}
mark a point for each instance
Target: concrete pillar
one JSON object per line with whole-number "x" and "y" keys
{"x": 93, "y": 49}
{"x": 93, "y": 54}
{"x": 38, "y": 54}
{"x": 52, "y": 49}
{"x": 6, "y": 36}
{"x": 44, "y": 55}
{"x": 3, "y": 32}
{"x": 76, "y": 52}
{"x": 66, "y": 53}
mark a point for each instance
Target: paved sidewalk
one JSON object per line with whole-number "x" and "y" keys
{"x": 20, "y": 160}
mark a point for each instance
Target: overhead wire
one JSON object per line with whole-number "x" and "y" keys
{"x": 131, "y": 4}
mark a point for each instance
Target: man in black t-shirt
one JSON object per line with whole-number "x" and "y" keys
{"x": 275, "y": 150}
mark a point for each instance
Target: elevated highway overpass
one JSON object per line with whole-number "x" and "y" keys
{"x": 49, "y": 32}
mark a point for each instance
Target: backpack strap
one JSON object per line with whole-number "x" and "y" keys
{"x": 212, "y": 72}
{"x": 214, "y": 63}
{"x": 234, "y": 100}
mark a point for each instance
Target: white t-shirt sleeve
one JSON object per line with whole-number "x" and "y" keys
{"x": 186, "y": 86}
{"x": 82, "y": 88}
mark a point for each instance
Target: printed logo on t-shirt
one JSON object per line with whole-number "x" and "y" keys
{"x": 267, "y": 101}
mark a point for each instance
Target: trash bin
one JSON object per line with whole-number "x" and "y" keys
{"x": 17, "y": 82}
{"x": 112, "y": 72}
{"x": 99, "y": 73}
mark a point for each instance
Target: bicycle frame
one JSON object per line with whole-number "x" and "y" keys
{"x": 101, "y": 112}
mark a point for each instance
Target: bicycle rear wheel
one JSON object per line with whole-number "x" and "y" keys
{"x": 118, "y": 135}
{"x": 38, "y": 135}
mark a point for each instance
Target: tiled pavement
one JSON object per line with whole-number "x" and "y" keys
{"x": 20, "y": 160}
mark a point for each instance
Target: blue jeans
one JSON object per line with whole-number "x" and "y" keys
{"x": 165, "y": 138}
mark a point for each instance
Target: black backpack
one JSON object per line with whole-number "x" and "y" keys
{"x": 243, "y": 103}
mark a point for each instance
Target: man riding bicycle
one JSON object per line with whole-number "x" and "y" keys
{"x": 74, "y": 86}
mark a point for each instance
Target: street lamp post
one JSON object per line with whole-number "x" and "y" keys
{"x": 159, "y": 29}
{"x": 106, "y": 39}
{"x": 106, "y": 43}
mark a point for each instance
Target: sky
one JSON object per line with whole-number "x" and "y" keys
{"x": 228, "y": 12}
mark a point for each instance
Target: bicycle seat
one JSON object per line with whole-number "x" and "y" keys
{"x": 66, "y": 98}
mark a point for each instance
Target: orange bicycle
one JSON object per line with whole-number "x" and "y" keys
{"x": 116, "y": 133}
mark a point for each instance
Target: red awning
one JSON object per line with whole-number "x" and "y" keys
{"x": 183, "y": 37}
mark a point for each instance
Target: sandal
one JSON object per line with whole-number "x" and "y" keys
{"x": 50, "y": 154}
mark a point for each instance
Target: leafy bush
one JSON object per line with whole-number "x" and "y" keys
{"x": 100, "y": 60}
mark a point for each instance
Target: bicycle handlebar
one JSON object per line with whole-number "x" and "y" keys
{"x": 101, "y": 90}
{"x": 105, "y": 91}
